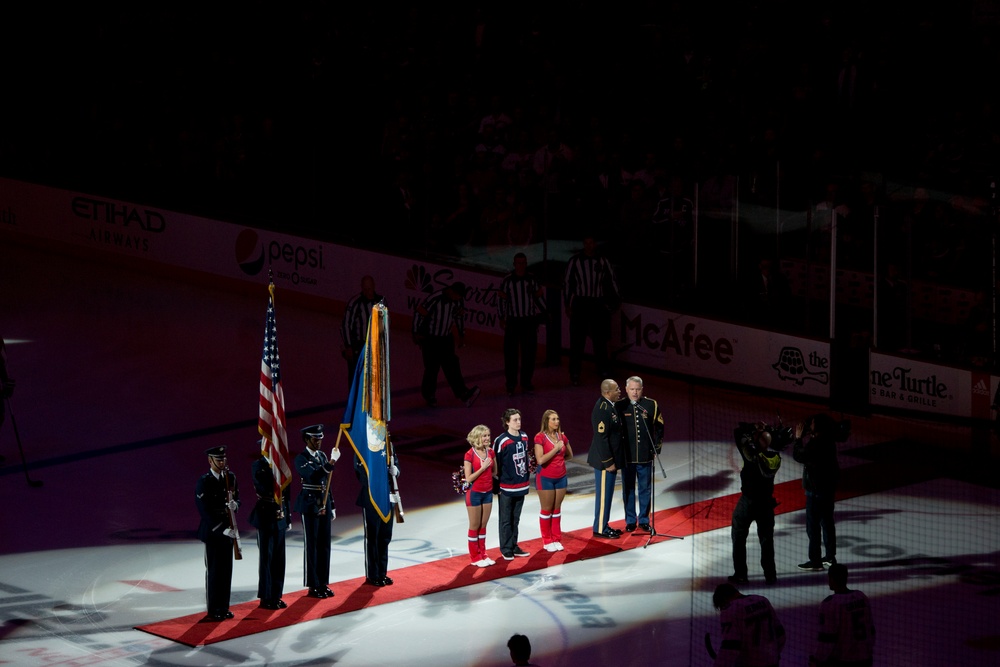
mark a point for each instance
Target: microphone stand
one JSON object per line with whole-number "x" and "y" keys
{"x": 652, "y": 482}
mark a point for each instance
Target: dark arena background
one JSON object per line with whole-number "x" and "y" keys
{"x": 158, "y": 163}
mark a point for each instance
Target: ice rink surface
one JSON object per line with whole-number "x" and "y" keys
{"x": 124, "y": 379}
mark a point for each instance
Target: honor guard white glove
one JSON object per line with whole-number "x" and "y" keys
{"x": 335, "y": 454}
{"x": 233, "y": 505}
{"x": 393, "y": 470}
{"x": 231, "y": 532}
{"x": 394, "y": 498}
{"x": 333, "y": 515}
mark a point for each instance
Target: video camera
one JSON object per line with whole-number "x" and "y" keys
{"x": 839, "y": 430}
{"x": 781, "y": 436}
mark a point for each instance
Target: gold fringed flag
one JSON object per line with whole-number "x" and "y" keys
{"x": 367, "y": 415}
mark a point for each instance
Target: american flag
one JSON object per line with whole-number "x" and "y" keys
{"x": 271, "y": 422}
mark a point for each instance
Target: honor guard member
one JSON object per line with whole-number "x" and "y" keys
{"x": 354, "y": 328}
{"x": 590, "y": 295}
{"x": 433, "y": 322}
{"x": 752, "y": 634}
{"x": 378, "y": 532}
{"x": 605, "y": 456}
{"x": 217, "y": 531}
{"x": 756, "y": 503}
{"x": 642, "y": 436}
{"x": 271, "y": 521}
{"x": 316, "y": 506}
{"x": 521, "y": 308}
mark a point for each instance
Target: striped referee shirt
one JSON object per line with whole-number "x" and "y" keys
{"x": 590, "y": 277}
{"x": 520, "y": 296}
{"x": 354, "y": 328}
{"x": 436, "y": 315}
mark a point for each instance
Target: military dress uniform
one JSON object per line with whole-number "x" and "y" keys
{"x": 271, "y": 521}
{"x": 605, "y": 451}
{"x": 314, "y": 469}
{"x": 378, "y": 533}
{"x": 211, "y": 498}
{"x": 642, "y": 434}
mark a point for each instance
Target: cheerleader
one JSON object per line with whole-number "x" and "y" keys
{"x": 552, "y": 450}
{"x": 480, "y": 467}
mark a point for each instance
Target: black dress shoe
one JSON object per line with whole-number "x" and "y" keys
{"x": 229, "y": 614}
{"x": 629, "y": 527}
{"x": 375, "y": 582}
{"x": 281, "y": 604}
{"x": 316, "y": 593}
{"x": 645, "y": 528}
{"x": 328, "y": 592}
{"x": 268, "y": 604}
{"x": 217, "y": 617}
{"x": 386, "y": 581}
{"x": 607, "y": 534}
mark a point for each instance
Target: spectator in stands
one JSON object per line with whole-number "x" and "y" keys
{"x": 765, "y": 297}
{"x": 893, "y": 293}
{"x": 977, "y": 332}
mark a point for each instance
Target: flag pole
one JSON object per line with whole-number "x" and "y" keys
{"x": 329, "y": 477}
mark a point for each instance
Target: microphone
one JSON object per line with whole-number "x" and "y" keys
{"x": 644, "y": 410}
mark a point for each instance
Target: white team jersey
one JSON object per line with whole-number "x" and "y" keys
{"x": 752, "y": 635}
{"x": 846, "y": 630}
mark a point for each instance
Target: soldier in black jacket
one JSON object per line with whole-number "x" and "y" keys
{"x": 820, "y": 473}
{"x": 642, "y": 435}
{"x": 215, "y": 530}
{"x": 271, "y": 521}
{"x": 314, "y": 468}
{"x": 605, "y": 456}
{"x": 756, "y": 504}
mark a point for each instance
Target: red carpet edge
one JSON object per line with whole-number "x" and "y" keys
{"x": 450, "y": 573}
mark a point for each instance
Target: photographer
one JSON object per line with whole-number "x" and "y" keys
{"x": 756, "y": 504}
{"x": 820, "y": 473}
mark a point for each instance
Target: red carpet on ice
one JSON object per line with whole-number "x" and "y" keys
{"x": 450, "y": 573}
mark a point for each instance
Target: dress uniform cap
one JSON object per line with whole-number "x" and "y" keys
{"x": 217, "y": 452}
{"x": 315, "y": 431}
